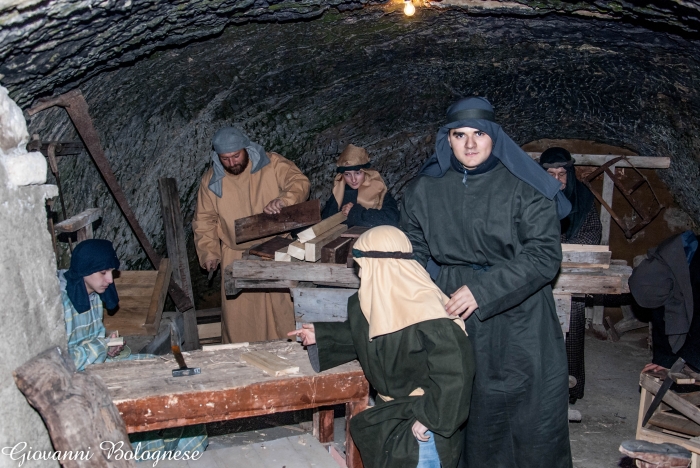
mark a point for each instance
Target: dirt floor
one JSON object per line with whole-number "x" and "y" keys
{"x": 609, "y": 408}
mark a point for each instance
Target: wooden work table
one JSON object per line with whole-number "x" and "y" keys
{"x": 148, "y": 396}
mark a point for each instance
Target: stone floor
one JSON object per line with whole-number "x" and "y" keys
{"x": 609, "y": 408}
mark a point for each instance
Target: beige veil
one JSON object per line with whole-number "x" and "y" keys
{"x": 395, "y": 292}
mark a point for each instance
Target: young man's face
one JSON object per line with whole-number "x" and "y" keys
{"x": 558, "y": 173}
{"x": 470, "y": 146}
{"x": 99, "y": 281}
{"x": 236, "y": 162}
{"x": 354, "y": 178}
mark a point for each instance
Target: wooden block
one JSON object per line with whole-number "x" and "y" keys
{"x": 296, "y": 250}
{"x": 329, "y": 273}
{"x": 160, "y": 291}
{"x": 314, "y": 246}
{"x": 269, "y": 363}
{"x": 209, "y": 330}
{"x": 355, "y": 232}
{"x": 219, "y": 347}
{"x": 268, "y": 249}
{"x": 314, "y": 231}
{"x": 290, "y": 217}
{"x": 337, "y": 250}
{"x": 79, "y": 221}
{"x": 682, "y": 379}
{"x": 282, "y": 255}
{"x": 118, "y": 341}
{"x": 321, "y": 304}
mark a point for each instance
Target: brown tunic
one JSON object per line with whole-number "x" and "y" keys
{"x": 250, "y": 316}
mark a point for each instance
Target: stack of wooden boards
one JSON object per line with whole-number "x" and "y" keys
{"x": 313, "y": 240}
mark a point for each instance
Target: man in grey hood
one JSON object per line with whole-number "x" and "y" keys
{"x": 244, "y": 180}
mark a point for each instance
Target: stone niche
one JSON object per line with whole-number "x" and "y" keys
{"x": 375, "y": 78}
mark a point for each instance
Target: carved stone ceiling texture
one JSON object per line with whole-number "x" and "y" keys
{"x": 371, "y": 76}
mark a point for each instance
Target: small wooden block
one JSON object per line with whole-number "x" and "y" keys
{"x": 79, "y": 221}
{"x": 682, "y": 379}
{"x": 324, "y": 226}
{"x": 118, "y": 341}
{"x": 219, "y": 347}
{"x": 337, "y": 250}
{"x": 269, "y": 248}
{"x": 282, "y": 255}
{"x": 269, "y": 363}
{"x": 314, "y": 246}
{"x": 290, "y": 217}
{"x": 296, "y": 250}
{"x": 355, "y": 232}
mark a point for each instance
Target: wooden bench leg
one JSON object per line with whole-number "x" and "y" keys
{"x": 352, "y": 455}
{"x": 644, "y": 403}
{"x": 323, "y": 424}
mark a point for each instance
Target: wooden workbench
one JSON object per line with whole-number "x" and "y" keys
{"x": 148, "y": 396}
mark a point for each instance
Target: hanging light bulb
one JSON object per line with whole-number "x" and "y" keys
{"x": 408, "y": 8}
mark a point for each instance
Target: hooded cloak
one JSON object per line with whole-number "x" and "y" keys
{"x": 371, "y": 192}
{"x": 477, "y": 112}
{"x": 395, "y": 293}
{"x": 230, "y": 140}
{"x": 576, "y": 192}
{"x": 91, "y": 256}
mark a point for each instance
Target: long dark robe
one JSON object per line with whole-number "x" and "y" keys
{"x": 361, "y": 216}
{"x": 500, "y": 237}
{"x": 434, "y": 355}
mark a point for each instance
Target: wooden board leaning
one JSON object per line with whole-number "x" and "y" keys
{"x": 290, "y": 217}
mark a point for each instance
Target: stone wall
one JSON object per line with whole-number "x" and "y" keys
{"x": 31, "y": 315}
{"x": 383, "y": 81}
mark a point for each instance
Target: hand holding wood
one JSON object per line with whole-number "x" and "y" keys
{"x": 275, "y": 206}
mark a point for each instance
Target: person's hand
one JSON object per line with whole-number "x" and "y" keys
{"x": 419, "y": 431}
{"x": 275, "y": 206}
{"x": 306, "y": 333}
{"x": 462, "y": 303}
{"x": 211, "y": 265}
{"x": 654, "y": 368}
{"x": 114, "y": 350}
{"x": 346, "y": 209}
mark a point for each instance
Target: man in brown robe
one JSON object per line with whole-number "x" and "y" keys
{"x": 243, "y": 181}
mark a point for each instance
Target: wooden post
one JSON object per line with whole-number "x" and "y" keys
{"x": 323, "y": 424}
{"x": 177, "y": 253}
{"x": 608, "y": 186}
{"x": 352, "y": 455}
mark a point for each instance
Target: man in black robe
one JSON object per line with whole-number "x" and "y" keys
{"x": 483, "y": 214}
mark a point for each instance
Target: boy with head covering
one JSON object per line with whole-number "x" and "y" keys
{"x": 581, "y": 226}
{"x": 360, "y": 192}
{"x": 85, "y": 286}
{"x": 244, "y": 180}
{"x": 484, "y": 215}
{"x": 417, "y": 357}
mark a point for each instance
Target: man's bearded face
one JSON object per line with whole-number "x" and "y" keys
{"x": 236, "y": 162}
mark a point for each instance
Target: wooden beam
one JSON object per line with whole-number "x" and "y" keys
{"x": 63, "y": 148}
{"x": 314, "y": 247}
{"x": 321, "y": 304}
{"x": 613, "y": 280}
{"x": 297, "y": 250}
{"x": 177, "y": 253}
{"x": 290, "y": 217}
{"x": 79, "y": 221}
{"x": 338, "y": 275}
{"x": 268, "y": 249}
{"x": 160, "y": 291}
{"x": 640, "y": 162}
{"x": 315, "y": 231}
{"x": 209, "y": 313}
{"x": 322, "y": 428}
{"x": 355, "y": 232}
{"x": 337, "y": 250}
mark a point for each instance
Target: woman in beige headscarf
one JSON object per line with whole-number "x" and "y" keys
{"x": 360, "y": 192}
{"x": 417, "y": 357}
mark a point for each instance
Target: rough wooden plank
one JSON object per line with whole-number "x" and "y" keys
{"x": 79, "y": 221}
{"x": 586, "y": 259}
{"x": 265, "y": 284}
{"x": 640, "y": 162}
{"x": 209, "y": 313}
{"x": 219, "y": 347}
{"x": 355, "y": 232}
{"x": 139, "y": 277}
{"x": 160, "y": 291}
{"x": 315, "y": 246}
{"x": 584, "y": 248}
{"x": 290, "y": 217}
{"x": 314, "y": 231}
{"x": 321, "y": 304}
{"x": 338, "y": 275}
{"x": 270, "y": 363}
{"x": 76, "y": 408}
{"x": 209, "y": 330}
{"x": 297, "y": 250}
{"x": 268, "y": 249}
{"x": 612, "y": 280}
{"x": 608, "y": 187}
{"x": 337, "y": 250}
